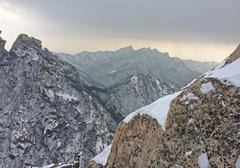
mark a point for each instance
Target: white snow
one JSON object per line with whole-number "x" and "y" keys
{"x": 203, "y": 161}
{"x": 158, "y": 109}
{"x": 113, "y": 71}
{"x": 229, "y": 72}
{"x": 158, "y": 84}
{"x": 238, "y": 162}
{"x": 49, "y": 93}
{"x": 66, "y": 96}
{"x": 102, "y": 157}
{"x": 100, "y": 145}
{"x": 47, "y": 166}
{"x": 188, "y": 97}
{"x": 134, "y": 79}
{"x": 188, "y": 153}
{"x": 207, "y": 87}
{"x": 60, "y": 165}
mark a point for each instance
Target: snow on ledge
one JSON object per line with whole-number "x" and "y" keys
{"x": 238, "y": 162}
{"x": 207, "y": 87}
{"x": 102, "y": 157}
{"x": 229, "y": 72}
{"x": 158, "y": 109}
{"x": 203, "y": 161}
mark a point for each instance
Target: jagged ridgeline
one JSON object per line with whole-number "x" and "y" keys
{"x": 47, "y": 113}
{"x": 195, "y": 127}
{"x": 106, "y": 68}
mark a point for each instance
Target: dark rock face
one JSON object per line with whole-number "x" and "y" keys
{"x": 131, "y": 94}
{"x": 47, "y": 113}
{"x": 135, "y": 92}
{"x": 2, "y": 45}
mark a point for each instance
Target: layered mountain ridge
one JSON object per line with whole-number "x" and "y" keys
{"x": 196, "y": 127}
{"x": 110, "y": 67}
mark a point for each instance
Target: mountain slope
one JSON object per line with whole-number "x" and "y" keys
{"x": 109, "y": 68}
{"x": 134, "y": 92}
{"x": 196, "y": 127}
{"x": 47, "y": 113}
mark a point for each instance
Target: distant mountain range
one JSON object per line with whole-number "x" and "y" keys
{"x": 106, "y": 68}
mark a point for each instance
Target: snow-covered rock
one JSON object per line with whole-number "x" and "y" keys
{"x": 45, "y": 109}
{"x": 103, "y": 156}
{"x": 157, "y": 110}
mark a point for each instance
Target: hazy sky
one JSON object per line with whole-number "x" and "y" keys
{"x": 196, "y": 29}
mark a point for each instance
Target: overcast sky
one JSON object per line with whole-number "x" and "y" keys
{"x": 196, "y": 29}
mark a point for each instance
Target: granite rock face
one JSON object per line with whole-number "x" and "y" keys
{"x": 201, "y": 130}
{"x": 135, "y": 92}
{"x": 47, "y": 113}
{"x": 131, "y": 94}
{"x": 2, "y": 45}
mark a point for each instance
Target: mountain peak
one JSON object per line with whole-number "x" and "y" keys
{"x": 24, "y": 39}
{"x": 126, "y": 49}
{"x": 234, "y": 56}
{"x": 2, "y": 44}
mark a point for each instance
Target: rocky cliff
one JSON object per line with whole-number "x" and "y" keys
{"x": 196, "y": 127}
{"x": 131, "y": 94}
{"x": 47, "y": 113}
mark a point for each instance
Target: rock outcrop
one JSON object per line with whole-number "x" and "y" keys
{"x": 201, "y": 129}
{"x": 47, "y": 113}
{"x": 2, "y": 45}
{"x": 133, "y": 93}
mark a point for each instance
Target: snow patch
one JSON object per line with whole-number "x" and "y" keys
{"x": 48, "y": 166}
{"x": 158, "y": 109}
{"x": 207, "y": 87}
{"x": 113, "y": 71}
{"x": 238, "y": 162}
{"x": 158, "y": 84}
{"x": 102, "y": 157}
{"x": 188, "y": 153}
{"x": 229, "y": 72}
{"x": 100, "y": 145}
{"x": 203, "y": 161}
{"x": 49, "y": 93}
{"x": 66, "y": 96}
{"x": 188, "y": 97}
{"x": 60, "y": 165}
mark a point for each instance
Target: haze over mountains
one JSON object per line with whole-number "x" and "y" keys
{"x": 110, "y": 67}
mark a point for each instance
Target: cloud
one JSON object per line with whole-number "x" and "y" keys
{"x": 170, "y": 21}
{"x": 215, "y": 20}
